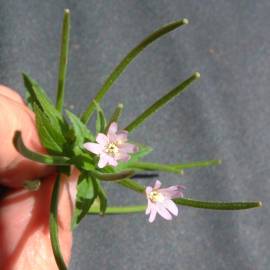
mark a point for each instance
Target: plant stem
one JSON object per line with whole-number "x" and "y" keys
{"x": 118, "y": 210}
{"x": 54, "y": 226}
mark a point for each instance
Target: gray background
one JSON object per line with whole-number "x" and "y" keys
{"x": 224, "y": 115}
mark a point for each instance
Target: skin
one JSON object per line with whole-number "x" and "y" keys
{"x": 24, "y": 214}
{"x": 15, "y": 115}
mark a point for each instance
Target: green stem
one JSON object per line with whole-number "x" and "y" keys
{"x": 63, "y": 61}
{"x": 118, "y": 210}
{"x": 125, "y": 62}
{"x": 54, "y": 226}
{"x": 42, "y": 158}
{"x": 161, "y": 102}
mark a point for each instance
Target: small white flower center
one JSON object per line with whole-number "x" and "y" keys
{"x": 156, "y": 196}
{"x": 112, "y": 149}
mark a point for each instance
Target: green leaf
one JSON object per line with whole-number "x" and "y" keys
{"x": 115, "y": 116}
{"x": 63, "y": 61}
{"x": 161, "y": 102}
{"x": 173, "y": 168}
{"x": 217, "y": 205}
{"x": 102, "y": 198}
{"x": 101, "y": 122}
{"x": 54, "y": 226}
{"x": 80, "y": 130}
{"x": 112, "y": 176}
{"x": 50, "y": 131}
{"x": 39, "y": 96}
{"x": 197, "y": 164}
{"x": 55, "y": 124}
{"x": 125, "y": 62}
{"x": 42, "y": 158}
{"x": 85, "y": 196}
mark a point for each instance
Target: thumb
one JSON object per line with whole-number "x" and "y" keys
{"x": 15, "y": 115}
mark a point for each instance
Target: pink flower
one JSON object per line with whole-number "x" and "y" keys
{"x": 160, "y": 200}
{"x": 111, "y": 147}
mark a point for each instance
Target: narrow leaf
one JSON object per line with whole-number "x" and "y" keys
{"x": 63, "y": 60}
{"x": 197, "y": 164}
{"x": 161, "y": 102}
{"x": 102, "y": 198}
{"x": 54, "y": 226}
{"x": 42, "y": 158}
{"x": 217, "y": 205}
{"x": 125, "y": 62}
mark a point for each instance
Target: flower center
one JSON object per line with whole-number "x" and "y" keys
{"x": 112, "y": 149}
{"x": 156, "y": 196}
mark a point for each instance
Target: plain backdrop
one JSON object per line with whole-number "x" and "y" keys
{"x": 224, "y": 115}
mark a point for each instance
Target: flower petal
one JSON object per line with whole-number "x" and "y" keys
{"x": 149, "y": 207}
{"x": 157, "y": 184}
{"x": 113, "y": 128}
{"x": 173, "y": 192}
{"x": 94, "y": 148}
{"x": 102, "y": 139}
{"x": 153, "y": 215}
{"x": 123, "y": 156}
{"x": 163, "y": 211}
{"x": 128, "y": 148}
{"x": 103, "y": 161}
{"x": 171, "y": 206}
{"x": 121, "y": 136}
{"x": 148, "y": 190}
{"x": 112, "y": 161}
